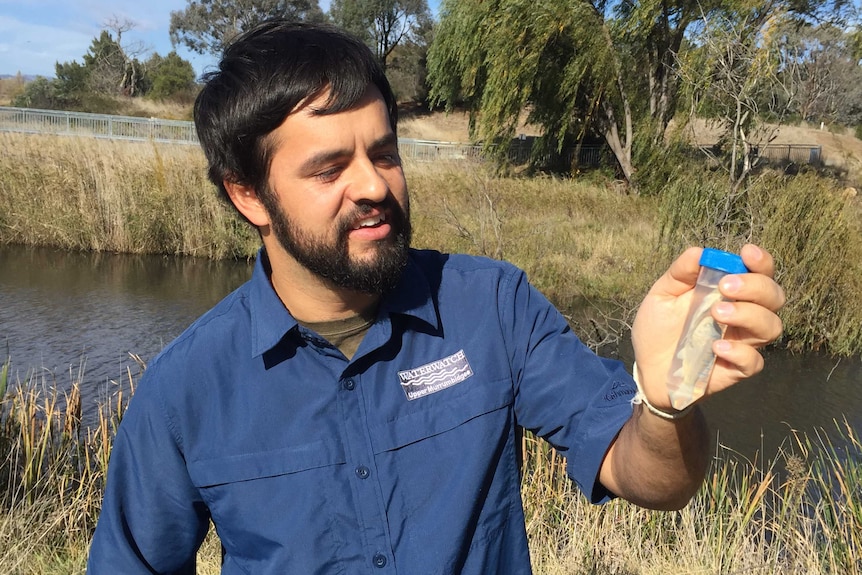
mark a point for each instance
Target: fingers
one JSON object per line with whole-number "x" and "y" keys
{"x": 734, "y": 361}
{"x": 748, "y": 323}
{"x": 758, "y": 286}
{"x": 757, "y": 260}
{"x": 681, "y": 275}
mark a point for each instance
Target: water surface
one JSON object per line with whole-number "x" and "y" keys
{"x": 63, "y": 312}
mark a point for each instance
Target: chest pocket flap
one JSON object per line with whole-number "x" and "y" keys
{"x": 442, "y": 412}
{"x": 272, "y": 463}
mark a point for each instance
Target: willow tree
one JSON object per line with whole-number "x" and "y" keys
{"x": 610, "y": 67}
{"x": 576, "y": 65}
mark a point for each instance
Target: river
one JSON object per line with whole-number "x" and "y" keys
{"x": 62, "y": 314}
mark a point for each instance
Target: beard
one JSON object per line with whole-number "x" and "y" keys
{"x": 331, "y": 260}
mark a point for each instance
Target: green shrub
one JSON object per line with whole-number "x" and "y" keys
{"x": 809, "y": 227}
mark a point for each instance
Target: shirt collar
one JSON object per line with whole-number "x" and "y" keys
{"x": 270, "y": 320}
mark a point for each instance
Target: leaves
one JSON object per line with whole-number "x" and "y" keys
{"x": 206, "y": 26}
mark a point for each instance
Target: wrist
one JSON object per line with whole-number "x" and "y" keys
{"x": 640, "y": 398}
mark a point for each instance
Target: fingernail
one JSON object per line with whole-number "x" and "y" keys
{"x": 755, "y": 252}
{"x": 731, "y": 284}
{"x": 724, "y": 309}
{"x": 722, "y": 346}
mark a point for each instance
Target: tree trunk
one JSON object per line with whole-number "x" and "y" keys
{"x": 622, "y": 150}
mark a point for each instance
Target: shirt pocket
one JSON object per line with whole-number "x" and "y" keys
{"x": 454, "y": 461}
{"x": 275, "y": 507}
{"x": 251, "y": 466}
{"x": 437, "y": 414}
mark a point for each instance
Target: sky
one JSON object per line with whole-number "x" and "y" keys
{"x": 35, "y": 34}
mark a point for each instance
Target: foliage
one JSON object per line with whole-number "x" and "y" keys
{"x": 207, "y": 26}
{"x": 406, "y": 68}
{"x": 112, "y": 68}
{"x": 579, "y": 67}
{"x": 731, "y": 73}
{"x": 72, "y": 81}
{"x": 595, "y": 67}
{"x": 171, "y": 77}
{"x": 805, "y": 221}
{"x": 40, "y": 93}
{"x": 819, "y": 64}
{"x": 383, "y": 24}
{"x": 109, "y": 71}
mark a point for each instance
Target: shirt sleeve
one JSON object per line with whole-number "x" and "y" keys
{"x": 153, "y": 519}
{"x": 564, "y": 392}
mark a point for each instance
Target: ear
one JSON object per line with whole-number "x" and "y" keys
{"x": 245, "y": 200}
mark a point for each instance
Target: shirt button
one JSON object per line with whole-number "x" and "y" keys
{"x": 362, "y": 472}
{"x": 380, "y": 560}
{"x": 349, "y": 384}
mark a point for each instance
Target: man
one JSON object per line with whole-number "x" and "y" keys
{"x": 352, "y": 408}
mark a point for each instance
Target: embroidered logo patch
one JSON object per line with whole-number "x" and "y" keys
{"x": 435, "y": 376}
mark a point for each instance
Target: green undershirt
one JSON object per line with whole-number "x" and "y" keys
{"x": 345, "y": 334}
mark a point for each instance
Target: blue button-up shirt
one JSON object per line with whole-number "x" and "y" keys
{"x": 401, "y": 460}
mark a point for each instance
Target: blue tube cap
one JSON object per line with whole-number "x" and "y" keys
{"x": 722, "y": 261}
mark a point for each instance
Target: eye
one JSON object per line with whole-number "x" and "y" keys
{"x": 329, "y": 174}
{"x": 389, "y": 158}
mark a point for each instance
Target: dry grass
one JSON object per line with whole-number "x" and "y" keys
{"x": 799, "y": 515}
{"x": 10, "y": 88}
{"x": 101, "y": 195}
{"x": 574, "y": 239}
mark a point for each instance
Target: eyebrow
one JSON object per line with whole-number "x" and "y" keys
{"x": 325, "y": 157}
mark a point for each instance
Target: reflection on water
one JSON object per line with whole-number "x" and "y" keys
{"x": 60, "y": 309}
{"x": 799, "y": 392}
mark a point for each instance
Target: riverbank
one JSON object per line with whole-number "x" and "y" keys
{"x": 576, "y": 239}
{"x": 748, "y": 517}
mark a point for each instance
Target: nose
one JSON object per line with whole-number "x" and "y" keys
{"x": 368, "y": 184}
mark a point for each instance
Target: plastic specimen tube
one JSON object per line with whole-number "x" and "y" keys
{"x": 693, "y": 361}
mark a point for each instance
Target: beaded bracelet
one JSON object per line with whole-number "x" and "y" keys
{"x": 640, "y": 398}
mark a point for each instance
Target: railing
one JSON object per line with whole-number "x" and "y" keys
{"x": 96, "y": 125}
{"x": 179, "y": 132}
{"x": 791, "y": 153}
{"x": 781, "y": 154}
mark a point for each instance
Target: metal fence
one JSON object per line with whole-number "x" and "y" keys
{"x": 179, "y": 132}
{"x": 779, "y": 154}
{"x": 791, "y": 153}
{"x": 96, "y": 125}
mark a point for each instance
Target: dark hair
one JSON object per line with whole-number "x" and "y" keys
{"x": 264, "y": 74}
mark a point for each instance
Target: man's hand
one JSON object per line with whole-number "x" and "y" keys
{"x": 751, "y": 319}
{"x": 658, "y": 463}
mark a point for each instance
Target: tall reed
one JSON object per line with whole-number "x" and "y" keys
{"x": 800, "y": 513}
{"x": 51, "y": 476}
{"x": 101, "y": 195}
{"x": 577, "y": 239}
{"x": 80, "y": 193}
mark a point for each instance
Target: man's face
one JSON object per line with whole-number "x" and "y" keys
{"x": 338, "y": 198}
